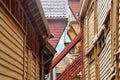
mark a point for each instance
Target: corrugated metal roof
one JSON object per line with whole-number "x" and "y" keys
{"x": 57, "y": 27}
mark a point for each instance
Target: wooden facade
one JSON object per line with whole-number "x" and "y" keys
{"x": 25, "y": 53}
{"x": 100, "y": 21}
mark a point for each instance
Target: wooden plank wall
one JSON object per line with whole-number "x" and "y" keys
{"x": 86, "y": 62}
{"x": 32, "y": 68}
{"x": 91, "y": 27}
{"x": 85, "y": 31}
{"x": 104, "y": 57}
{"x": 92, "y": 70}
{"x": 105, "y": 60}
{"x": 11, "y": 49}
{"x": 103, "y": 7}
{"x": 119, "y": 38}
{"x": 18, "y": 60}
{"x": 119, "y": 29}
{"x": 105, "y": 65}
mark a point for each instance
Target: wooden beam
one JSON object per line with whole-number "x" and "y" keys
{"x": 66, "y": 50}
{"x": 117, "y": 67}
{"x": 95, "y": 46}
{"x": 24, "y": 54}
{"x": 112, "y": 33}
{"x": 115, "y": 24}
{"x": 42, "y": 76}
{"x": 95, "y": 17}
{"x": 96, "y": 63}
{"x": 10, "y": 4}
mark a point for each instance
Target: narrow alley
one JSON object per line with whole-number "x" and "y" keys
{"x": 59, "y": 39}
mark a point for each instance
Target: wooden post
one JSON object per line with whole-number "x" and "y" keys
{"x": 24, "y": 54}
{"x": 51, "y": 74}
{"x": 96, "y": 63}
{"x": 115, "y": 24}
{"x": 117, "y": 67}
{"x": 95, "y": 17}
{"x": 43, "y": 76}
{"x": 10, "y": 2}
{"x": 88, "y": 58}
{"x": 82, "y": 55}
{"x": 112, "y": 33}
{"x": 29, "y": 64}
{"x": 95, "y": 46}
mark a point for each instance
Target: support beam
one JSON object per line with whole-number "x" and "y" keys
{"x": 51, "y": 74}
{"x": 112, "y": 33}
{"x": 117, "y": 67}
{"x": 95, "y": 46}
{"x": 95, "y": 17}
{"x": 66, "y": 50}
{"x": 96, "y": 63}
{"x": 115, "y": 24}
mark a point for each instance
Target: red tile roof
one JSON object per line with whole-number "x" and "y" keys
{"x": 56, "y": 26}
{"x": 74, "y": 6}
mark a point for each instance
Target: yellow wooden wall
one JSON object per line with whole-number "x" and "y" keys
{"x": 17, "y": 61}
{"x": 11, "y": 49}
{"x": 105, "y": 66}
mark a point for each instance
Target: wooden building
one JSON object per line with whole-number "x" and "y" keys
{"x": 57, "y": 26}
{"x": 25, "y": 53}
{"x": 100, "y": 23}
{"x": 75, "y": 51}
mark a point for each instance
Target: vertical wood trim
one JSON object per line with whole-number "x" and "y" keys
{"x": 96, "y": 63}
{"x": 42, "y": 67}
{"x": 115, "y": 24}
{"x": 96, "y": 46}
{"x": 28, "y": 68}
{"x": 115, "y": 18}
{"x": 117, "y": 67}
{"x": 24, "y": 57}
{"x": 18, "y": 12}
{"x": 29, "y": 64}
{"x": 22, "y": 22}
{"x": 82, "y": 55}
{"x": 88, "y": 58}
{"x": 10, "y": 5}
{"x": 87, "y": 29}
{"x": 95, "y": 17}
{"x": 112, "y": 33}
{"x": 36, "y": 72}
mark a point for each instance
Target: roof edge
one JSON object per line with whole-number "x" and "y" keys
{"x": 43, "y": 17}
